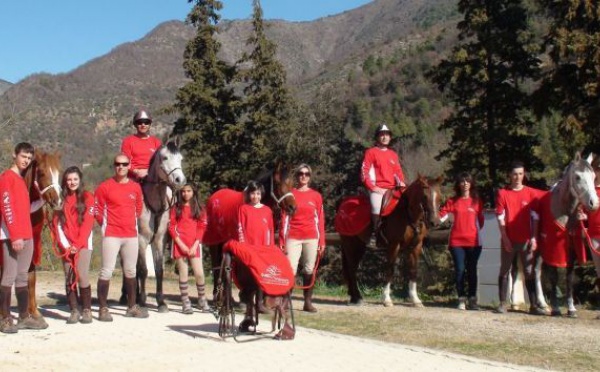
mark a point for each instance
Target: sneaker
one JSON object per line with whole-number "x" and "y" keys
{"x": 136, "y": 311}
{"x": 30, "y": 322}
{"x": 472, "y": 304}
{"x": 86, "y": 316}
{"x": 203, "y": 305}
{"x": 7, "y": 325}
{"x": 74, "y": 317}
{"x": 104, "y": 315}
{"x": 462, "y": 303}
{"x": 186, "y": 307}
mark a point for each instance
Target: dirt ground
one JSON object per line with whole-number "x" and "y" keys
{"x": 174, "y": 341}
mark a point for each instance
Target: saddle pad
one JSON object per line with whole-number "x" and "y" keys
{"x": 221, "y": 213}
{"x": 269, "y": 266}
{"x": 390, "y": 201}
{"x": 353, "y": 215}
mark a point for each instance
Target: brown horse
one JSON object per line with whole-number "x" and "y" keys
{"x": 222, "y": 206}
{"x": 404, "y": 230}
{"x": 43, "y": 180}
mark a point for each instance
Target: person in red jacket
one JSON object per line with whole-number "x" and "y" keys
{"x": 380, "y": 171}
{"x": 118, "y": 206}
{"x": 514, "y": 212}
{"x": 593, "y": 219}
{"x": 302, "y": 235}
{"x": 16, "y": 235}
{"x": 73, "y": 228}
{"x": 465, "y": 239}
{"x": 187, "y": 224}
{"x": 140, "y": 147}
{"x": 255, "y": 227}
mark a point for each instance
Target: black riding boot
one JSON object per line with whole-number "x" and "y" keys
{"x": 308, "y": 293}
{"x": 502, "y": 286}
{"x": 103, "y": 313}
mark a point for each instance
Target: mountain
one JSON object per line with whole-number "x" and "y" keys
{"x": 4, "y": 85}
{"x": 85, "y": 113}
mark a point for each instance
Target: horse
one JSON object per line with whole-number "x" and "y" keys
{"x": 403, "y": 231}
{"x": 560, "y": 231}
{"x": 165, "y": 176}
{"x": 43, "y": 181}
{"x": 222, "y": 207}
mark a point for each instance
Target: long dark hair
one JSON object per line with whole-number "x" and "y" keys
{"x": 465, "y": 176}
{"x": 195, "y": 208}
{"x": 79, "y": 194}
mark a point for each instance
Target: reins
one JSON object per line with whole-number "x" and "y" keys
{"x": 72, "y": 259}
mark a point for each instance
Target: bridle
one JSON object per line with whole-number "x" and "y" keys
{"x": 282, "y": 198}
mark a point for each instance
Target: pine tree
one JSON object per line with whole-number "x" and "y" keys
{"x": 207, "y": 105}
{"x": 572, "y": 87}
{"x": 484, "y": 76}
{"x": 262, "y": 133}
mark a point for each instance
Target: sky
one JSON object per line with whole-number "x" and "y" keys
{"x": 60, "y": 35}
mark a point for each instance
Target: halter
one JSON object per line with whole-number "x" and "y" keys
{"x": 51, "y": 186}
{"x": 279, "y": 200}
{"x": 574, "y": 192}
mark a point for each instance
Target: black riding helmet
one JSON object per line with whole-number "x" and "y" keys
{"x": 382, "y": 128}
{"x": 142, "y": 115}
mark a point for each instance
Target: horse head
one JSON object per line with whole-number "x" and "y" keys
{"x": 43, "y": 178}
{"x": 165, "y": 166}
{"x": 281, "y": 185}
{"x": 580, "y": 177}
{"x": 424, "y": 198}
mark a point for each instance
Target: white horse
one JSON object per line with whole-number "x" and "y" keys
{"x": 559, "y": 225}
{"x": 165, "y": 176}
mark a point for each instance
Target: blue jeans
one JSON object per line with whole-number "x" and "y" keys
{"x": 465, "y": 264}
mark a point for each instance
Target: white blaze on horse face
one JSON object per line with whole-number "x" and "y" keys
{"x": 582, "y": 185}
{"x": 56, "y": 186}
{"x": 171, "y": 165}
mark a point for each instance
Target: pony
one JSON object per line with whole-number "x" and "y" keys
{"x": 560, "y": 230}
{"x": 222, "y": 207}
{"x": 165, "y": 176}
{"x": 43, "y": 181}
{"x": 403, "y": 231}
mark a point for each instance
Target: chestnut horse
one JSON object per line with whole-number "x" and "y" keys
{"x": 43, "y": 180}
{"x": 404, "y": 230}
{"x": 222, "y": 207}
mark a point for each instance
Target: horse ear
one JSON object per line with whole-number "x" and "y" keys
{"x": 440, "y": 179}
{"x": 577, "y": 156}
{"x": 590, "y": 158}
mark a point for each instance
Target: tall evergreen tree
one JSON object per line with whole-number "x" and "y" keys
{"x": 207, "y": 105}
{"x": 572, "y": 87}
{"x": 262, "y": 132}
{"x": 484, "y": 77}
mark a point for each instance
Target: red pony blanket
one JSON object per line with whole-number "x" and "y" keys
{"x": 269, "y": 266}
{"x": 353, "y": 215}
{"x": 221, "y": 212}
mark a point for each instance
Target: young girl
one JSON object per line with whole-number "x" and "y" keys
{"x": 465, "y": 245}
{"x": 255, "y": 226}
{"x": 187, "y": 225}
{"x": 73, "y": 227}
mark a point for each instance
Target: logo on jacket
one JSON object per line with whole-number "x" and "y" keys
{"x": 132, "y": 196}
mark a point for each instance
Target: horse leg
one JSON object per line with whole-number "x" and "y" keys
{"x": 412, "y": 262}
{"x": 216, "y": 255}
{"x": 141, "y": 274}
{"x": 123, "y": 298}
{"x": 32, "y": 308}
{"x": 158, "y": 254}
{"x": 570, "y": 275}
{"x": 552, "y": 274}
{"x": 541, "y": 299}
{"x": 353, "y": 250}
{"x": 393, "y": 250}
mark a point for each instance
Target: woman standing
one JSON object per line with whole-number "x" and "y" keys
{"x": 302, "y": 236}
{"x": 255, "y": 227}
{"x": 465, "y": 243}
{"x": 73, "y": 228}
{"x": 187, "y": 225}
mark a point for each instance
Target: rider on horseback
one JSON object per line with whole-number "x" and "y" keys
{"x": 380, "y": 171}
{"x": 140, "y": 147}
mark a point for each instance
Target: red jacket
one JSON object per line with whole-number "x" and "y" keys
{"x": 118, "y": 206}
{"x": 187, "y": 229}
{"x": 309, "y": 220}
{"x": 255, "y": 225}
{"x": 15, "y": 207}
{"x": 73, "y": 234}
{"x": 515, "y": 206}
{"x": 468, "y": 221}
{"x": 594, "y": 220}
{"x": 381, "y": 168}
{"x": 140, "y": 150}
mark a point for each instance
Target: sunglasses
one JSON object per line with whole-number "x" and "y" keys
{"x": 119, "y": 164}
{"x": 144, "y": 122}
{"x": 300, "y": 174}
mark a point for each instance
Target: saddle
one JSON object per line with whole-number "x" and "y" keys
{"x": 390, "y": 201}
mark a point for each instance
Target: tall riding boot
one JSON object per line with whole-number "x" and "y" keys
{"x": 86, "y": 304}
{"x": 308, "y": 293}
{"x": 6, "y": 321}
{"x": 375, "y": 218}
{"x": 26, "y": 321}
{"x": 103, "y": 313}
{"x": 534, "y": 309}
{"x": 502, "y": 286}
{"x": 260, "y": 303}
{"x": 133, "y": 310}
{"x": 73, "y": 305}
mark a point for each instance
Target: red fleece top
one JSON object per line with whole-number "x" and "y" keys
{"x": 76, "y": 235}
{"x": 516, "y": 207}
{"x": 468, "y": 221}
{"x": 186, "y": 228}
{"x": 309, "y": 220}
{"x": 118, "y": 206}
{"x": 594, "y": 220}
{"x": 255, "y": 225}
{"x": 381, "y": 167}
{"x": 140, "y": 150}
{"x": 15, "y": 207}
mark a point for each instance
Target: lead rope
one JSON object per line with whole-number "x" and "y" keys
{"x": 71, "y": 259}
{"x": 588, "y": 239}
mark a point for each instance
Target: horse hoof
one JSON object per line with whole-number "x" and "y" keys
{"x": 163, "y": 308}
{"x": 418, "y": 304}
{"x": 358, "y": 302}
{"x": 388, "y": 304}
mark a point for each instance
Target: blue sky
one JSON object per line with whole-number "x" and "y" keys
{"x": 58, "y": 36}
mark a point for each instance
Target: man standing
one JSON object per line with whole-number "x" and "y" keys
{"x": 118, "y": 207}
{"x": 513, "y": 209}
{"x": 17, "y": 242}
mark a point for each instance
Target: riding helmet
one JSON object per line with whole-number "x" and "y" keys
{"x": 382, "y": 128}
{"x": 141, "y": 115}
